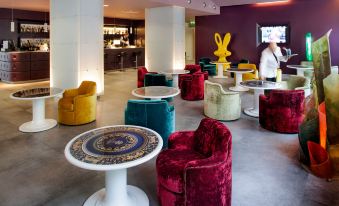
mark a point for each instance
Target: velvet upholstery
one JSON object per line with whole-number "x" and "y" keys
{"x": 282, "y": 110}
{"x": 142, "y": 71}
{"x": 295, "y": 82}
{"x": 157, "y": 115}
{"x": 196, "y": 169}
{"x": 193, "y": 68}
{"x": 78, "y": 106}
{"x": 157, "y": 80}
{"x": 249, "y": 76}
{"x": 206, "y": 66}
{"x": 192, "y": 87}
{"x": 219, "y": 104}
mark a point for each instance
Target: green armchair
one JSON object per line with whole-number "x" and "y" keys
{"x": 206, "y": 66}
{"x": 157, "y": 80}
{"x": 219, "y": 104}
{"x": 157, "y": 115}
{"x": 295, "y": 82}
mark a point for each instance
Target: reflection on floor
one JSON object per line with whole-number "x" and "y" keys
{"x": 34, "y": 171}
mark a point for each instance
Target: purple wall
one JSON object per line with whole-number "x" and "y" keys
{"x": 315, "y": 16}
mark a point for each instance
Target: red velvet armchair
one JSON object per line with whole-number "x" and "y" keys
{"x": 142, "y": 71}
{"x": 193, "y": 68}
{"x": 196, "y": 169}
{"x": 282, "y": 110}
{"x": 192, "y": 86}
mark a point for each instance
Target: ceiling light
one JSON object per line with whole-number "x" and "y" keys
{"x": 130, "y": 12}
{"x": 204, "y": 4}
{"x": 214, "y": 7}
{"x": 189, "y": 1}
{"x": 106, "y": 5}
{"x": 273, "y": 2}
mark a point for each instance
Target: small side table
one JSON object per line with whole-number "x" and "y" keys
{"x": 175, "y": 75}
{"x": 220, "y": 67}
{"x": 300, "y": 69}
{"x": 113, "y": 149}
{"x": 37, "y": 96}
{"x": 259, "y": 87}
{"x": 238, "y": 78}
{"x": 155, "y": 92}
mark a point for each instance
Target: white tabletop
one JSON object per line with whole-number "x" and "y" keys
{"x": 176, "y": 72}
{"x": 105, "y": 148}
{"x": 241, "y": 71}
{"x": 260, "y": 85}
{"x": 157, "y": 92}
{"x": 302, "y": 67}
{"x": 37, "y": 93}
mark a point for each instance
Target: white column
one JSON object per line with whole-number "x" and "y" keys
{"x": 165, "y": 38}
{"x": 76, "y": 41}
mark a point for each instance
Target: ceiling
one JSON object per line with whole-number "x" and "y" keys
{"x": 134, "y": 9}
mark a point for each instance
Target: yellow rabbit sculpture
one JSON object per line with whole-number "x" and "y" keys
{"x": 222, "y": 51}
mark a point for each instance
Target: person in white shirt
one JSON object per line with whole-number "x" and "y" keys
{"x": 270, "y": 59}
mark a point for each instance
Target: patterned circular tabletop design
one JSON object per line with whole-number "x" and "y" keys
{"x": 259, "y": 84}
{"x": 37, "y": 92}
{"x": 114, "y": 145}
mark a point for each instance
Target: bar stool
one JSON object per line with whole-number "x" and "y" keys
{"x": 136, "y": 55}
{"x": 121, "y": 56}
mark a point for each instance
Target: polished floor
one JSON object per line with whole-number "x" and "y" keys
{"x": 34, "y": 171}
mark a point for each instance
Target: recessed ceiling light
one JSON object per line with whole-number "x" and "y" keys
{"x": 189, "y": 1}
{"x": 204, "y": 4}
{"x": 106, "y": 5}
{"x": 130, "y": 12}
{"x": 214, "y": 7}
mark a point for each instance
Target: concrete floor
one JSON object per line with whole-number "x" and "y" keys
{"x": 34, "y": 171}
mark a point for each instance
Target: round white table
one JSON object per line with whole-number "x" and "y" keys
{"x": 175, "y": 76}
{"x": 37, "y": 96}
{"x": 300, "y": 68}
{"x": 220, "y": 68}
{"x": 259, "y": 87}
{"x": 113, "y": 149}
{"x": 155, "y": 92}
{"x": 238, "y": 79}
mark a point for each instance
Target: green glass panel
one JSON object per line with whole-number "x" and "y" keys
{"x": 331, "y": 88}
{"x": 321, "y": 63}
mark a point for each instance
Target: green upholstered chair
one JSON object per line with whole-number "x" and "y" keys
{"x": 295, "y": 82}
{"x": 157, "y": 115}
{"x": 206, "y": 66}
{"x": 331, "y": 90}
{"x": 219, "y": 104}
{"x": 157, "y": 80}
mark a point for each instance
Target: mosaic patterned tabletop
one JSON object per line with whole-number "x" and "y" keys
{"x": 37, "y": 92}
{"x": 114, "y": 145}
{"x": 259, "y": 84}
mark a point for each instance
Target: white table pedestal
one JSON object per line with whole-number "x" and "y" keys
{"x": 39, "y": 123}
{"x": 237, "y": 87}
{"x": 300, "y": 72}
{"x": 175, "y": 80}
{"x": 220, "y": 68}
{"x": 254, "y": 111}
{"x": 117, "y": 192}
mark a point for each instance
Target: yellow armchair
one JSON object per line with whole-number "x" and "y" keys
{"x": 78, "y": 106}
{"x": 249, "y": 76}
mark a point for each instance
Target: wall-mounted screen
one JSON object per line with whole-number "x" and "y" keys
{"x": 275, "y": 33}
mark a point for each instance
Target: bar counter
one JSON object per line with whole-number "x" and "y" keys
{"x": 122, "y": 58}
{"x": 19, "y": 66}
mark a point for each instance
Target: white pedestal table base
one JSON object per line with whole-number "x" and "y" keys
{"x": 237, "y": 87}
{"x": 117, "y": 192}
{"x": 220, "y": 74}
{"x": 254, "y": 111}
{"x": 39, "y": 123}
